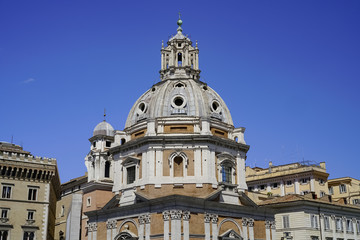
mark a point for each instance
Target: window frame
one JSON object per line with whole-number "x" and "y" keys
{"x": 286, "y": 221}
{"x": 33, "y": 193}
{"x": 327, "y": 225}
{"x": 314, "y": 221}
{"x": 6, "y": 194}
{"x": 342, "y": 188}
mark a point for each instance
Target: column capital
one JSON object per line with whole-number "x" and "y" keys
{"x": 186, "y": 215}
{"x": 176, "y": 214}
{"x": 214, "y": 218}
{"x": 321, "y": 215}
{"x": 111, "y": 224}
{"x": 244, "y": 221}
{"x": 207, "y": 217}
{"x": 273, "y": 224}
{"x": 166, "y": 215}
{"x": 251, "y": 222}
{"x": 333, "y": 217}
{"x": 354, "y": 220}
{"x": 267, "y": 224}
{"x": 144, "y": 219}
{"x": 92, "y": 227}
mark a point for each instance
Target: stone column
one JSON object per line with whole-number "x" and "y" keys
{"x": 244, "y": 228}
{"x": 322, "y": 224}
{"x": 343, "y": 219}
{"x": 214, "y": 220}
{"x": 93, "y": 231}
{"x": 175, "y": 224}
{"x": 273, "y": 230}
{"x": 151, "y": 164}
{"x": 166, "y": 217}
{"x": 147, "y": 220}
{"x": 353, "y": 220}
{"x": 207, "y": 219}
{"x": 186, "y": 232}
{"x": 333, "y": 221}
{"x": 282, "y": 188}
{"x": 89, "y": 229}
{"x": 297, "y": 186}
{"x": 110, "y": 226}
{"x": 312, "y": 184}
{"x": 267, "y": 230}
{"x": 240, "y": 159}
{"x": 268, "y": 187}
{"x": 251, "y": 228}
{"x": 141, "y": 227}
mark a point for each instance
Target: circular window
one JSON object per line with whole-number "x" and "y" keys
{"x": 178, "y": 102}
{"x": 142, "y": 107}
{"x": 215, "y": 106}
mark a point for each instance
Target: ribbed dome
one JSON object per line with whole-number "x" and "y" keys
{"x": 179, "y": 98}
{"x": 104, "y": 128}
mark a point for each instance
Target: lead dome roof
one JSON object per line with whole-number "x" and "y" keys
{"x": 104, "y": 128}
{"x": 179, "y": 98}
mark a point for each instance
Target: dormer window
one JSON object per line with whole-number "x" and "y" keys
{"x": 108, "y": 144}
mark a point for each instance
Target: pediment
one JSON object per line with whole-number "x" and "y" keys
{"x": 230, "y": 234}
{"x": 226, "y": 156}
{"x": 130, "y": 161}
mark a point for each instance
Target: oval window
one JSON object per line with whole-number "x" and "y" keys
{"x": 142, "y": 107}
{"x": 215, "y": 106}
{"x": 178, "y": 102}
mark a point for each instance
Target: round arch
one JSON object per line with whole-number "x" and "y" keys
{"x": 233, "y": 221}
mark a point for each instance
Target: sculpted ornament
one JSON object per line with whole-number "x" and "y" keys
{"x": 244, "y": 221}
{"x": 176, "y": 214}
{"x": 207, "y": 217}
{"x": 111, "y": 223}
{"x": 214, "y": 218}
{"x": 186, "y": 215}
{"x": 92, "y": 227}
{"x": 267, "y": 224}
{"x": 251, "y": 222}
{"x": 273, "y": 226}
{"x": 166, "y": 215}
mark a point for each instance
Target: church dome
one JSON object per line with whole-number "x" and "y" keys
{"x": 179, "y": 98}
{"x": 104, "y": 128}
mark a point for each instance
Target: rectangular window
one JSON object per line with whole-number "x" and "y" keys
{"x": 32, "y": 194}
{"x": 358, "y": 227}
{"x": 327, "y": 223}
{"x": 88, "y": 202}
{"x": 339, "y": 226}
{"x": 262, "y": 187}
{"x": 289, "y": 183}
{"x": 331, "y": 191}
{"x": 304, "y": 180}
{"x": 29, "y": 236}
{"x": 314, "y": 238}
{"x": 130, "y": 175}
{"x": 30, "y": 215}
{"x": 342, "y": 188}
{"x": 321, "y": 181}
{"x": 314, "y": 221}
{"x": 4, "y": 234}
{"x": 6, "y": 191}
{"x": 275, "y": 185}
{"x": 322, "y": 193}
{"x": 286, "y": 223}
{"x": 356, "y": 201}
{"x": 108, "y": 144}
{"x": 226, "y": 174}
{"x": 4, "y": 213}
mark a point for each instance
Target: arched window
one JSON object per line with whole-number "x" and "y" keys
{"x": 178, "y": 167}
{"x": 124, "y": 235}
{"x": 107, "y": 169}
{"x": 28, "y": 236}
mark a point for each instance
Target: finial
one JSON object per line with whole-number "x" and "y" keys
{"x": 196, "y": 44}
{"x": 104, "y": 115}
{"x": 162, "y": 43}
{"x": 179, "y": 23}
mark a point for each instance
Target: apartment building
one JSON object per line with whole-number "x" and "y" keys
{"x": 345, "y": 189}
{"x": 294, "y": 178}
{"x": 29, "y": 190}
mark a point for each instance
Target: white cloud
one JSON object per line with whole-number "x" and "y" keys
{"x": 28, "y": 80}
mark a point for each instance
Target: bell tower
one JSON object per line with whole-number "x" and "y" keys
{"x": 179, "y": 59}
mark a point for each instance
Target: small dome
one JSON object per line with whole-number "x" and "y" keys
{"x": 104, "y": 128}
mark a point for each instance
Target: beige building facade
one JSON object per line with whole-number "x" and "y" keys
{"x": 293, "y": 178}
{"x": 345, "y": 189}
{"x": 29, "y": 191}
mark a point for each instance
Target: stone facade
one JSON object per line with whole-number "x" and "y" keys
{"x": 30, "y": 187}
{"x": 293, "y": 178}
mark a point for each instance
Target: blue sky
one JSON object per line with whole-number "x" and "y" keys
{"x": 288, "y": 71}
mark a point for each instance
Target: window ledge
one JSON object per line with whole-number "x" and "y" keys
{"x": 4, "y": 220}
{"x": 30, "y": 221}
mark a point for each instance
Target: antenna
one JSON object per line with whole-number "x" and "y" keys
{"x": 104, "y": 115}
{"x": 12, "y": 138}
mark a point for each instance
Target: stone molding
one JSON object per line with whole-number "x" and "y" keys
{"x": 111, "y": 224}
{"x": 211, "y": 217}
{"x": 267, "y": 224}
